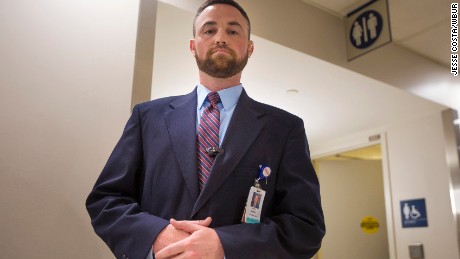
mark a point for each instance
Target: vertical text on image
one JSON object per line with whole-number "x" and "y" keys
{"x": 454, "y": 38}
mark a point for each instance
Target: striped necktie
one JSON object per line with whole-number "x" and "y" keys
{"x": 208, "y": 136}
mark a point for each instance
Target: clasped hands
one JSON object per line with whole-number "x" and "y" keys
{"x": 188, "y": 239}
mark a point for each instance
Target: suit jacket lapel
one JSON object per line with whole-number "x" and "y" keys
{"x": 181, "y": 124}
{"x": 245, "y": 126}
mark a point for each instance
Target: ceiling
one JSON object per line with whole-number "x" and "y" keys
{"x": 422, "y": 26}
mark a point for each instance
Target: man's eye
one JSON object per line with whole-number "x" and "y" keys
{"x": 208, "y": 31}
{"x": 233, "y": 32}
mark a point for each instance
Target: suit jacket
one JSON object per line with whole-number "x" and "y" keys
{"x": 151, "y": 176}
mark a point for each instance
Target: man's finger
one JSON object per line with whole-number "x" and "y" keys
{"x": 203, "y": 222}
{"x": 170, "y": 251}
{"x": 167, "y": 236}
{"x": 186, "y": 226}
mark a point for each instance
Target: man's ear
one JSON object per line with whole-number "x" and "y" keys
{"x": 250, "y": 48}
{"x": 192, "y": 46}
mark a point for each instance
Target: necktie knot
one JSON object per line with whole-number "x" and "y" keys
{"x": 213, "y": 98}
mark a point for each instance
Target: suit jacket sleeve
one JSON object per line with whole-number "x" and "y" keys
{"x": 295, "y": 226}
{"x": 113, "y": 204}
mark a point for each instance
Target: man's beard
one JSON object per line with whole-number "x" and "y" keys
{"x": 221, "y": 66}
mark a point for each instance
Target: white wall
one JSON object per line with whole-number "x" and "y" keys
{"x": 65, "y": 89}
{"x": 418, "y": 169}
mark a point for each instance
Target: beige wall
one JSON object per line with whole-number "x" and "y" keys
{"x": 307, "y": 29}
{"x": 65, "y": 90}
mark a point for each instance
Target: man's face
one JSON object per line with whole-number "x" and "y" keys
{"x": 221, "y": 46}
{"x": 256, "y": 199}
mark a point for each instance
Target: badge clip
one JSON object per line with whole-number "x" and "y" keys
{"x": 264, "y": 173}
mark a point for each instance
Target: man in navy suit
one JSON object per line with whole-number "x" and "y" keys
{"x": 150, "y": 198}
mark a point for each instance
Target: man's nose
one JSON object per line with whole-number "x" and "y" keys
{"x": 221, "y": 38}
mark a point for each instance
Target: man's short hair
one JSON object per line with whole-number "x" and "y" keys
{"x": 227, "y": 2}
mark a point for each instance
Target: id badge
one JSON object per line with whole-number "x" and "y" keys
{"x": 254, "y": 204}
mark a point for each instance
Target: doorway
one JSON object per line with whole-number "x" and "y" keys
{"x": 353, "y": 198}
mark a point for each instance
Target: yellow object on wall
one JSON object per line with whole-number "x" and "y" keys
{"x": 370, "y": 225}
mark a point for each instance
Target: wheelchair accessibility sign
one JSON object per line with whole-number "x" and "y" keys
{"x": 413, "y": 213}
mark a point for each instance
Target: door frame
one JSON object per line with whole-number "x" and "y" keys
{"x": 362, "y": 142}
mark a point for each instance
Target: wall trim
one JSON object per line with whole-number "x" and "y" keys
{"x": 145, "y": 43}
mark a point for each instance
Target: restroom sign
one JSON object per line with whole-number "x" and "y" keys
{"x": 413, "y": 213}
{"x": 367, "y": 28}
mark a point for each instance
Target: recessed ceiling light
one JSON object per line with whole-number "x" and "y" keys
{"x": 292, "y": 91}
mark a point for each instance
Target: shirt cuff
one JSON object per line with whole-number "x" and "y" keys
{"x": 150, "y": 254}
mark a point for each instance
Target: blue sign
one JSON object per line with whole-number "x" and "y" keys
{"x": 366, "y": 29}
{"x": 413, "y": 213}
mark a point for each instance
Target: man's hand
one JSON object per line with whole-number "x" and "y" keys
{"x": 203, "y": 242}
{"x": 170, "y": 234}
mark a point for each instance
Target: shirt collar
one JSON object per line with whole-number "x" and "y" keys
{"x": 229, "y": 96}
